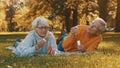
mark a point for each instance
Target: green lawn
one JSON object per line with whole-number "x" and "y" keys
{"x": 108, "y": 56}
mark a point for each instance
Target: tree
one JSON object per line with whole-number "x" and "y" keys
{"x": 66, "y": 8}
{"x": 67, "y": 19}
{"x": 70, "y": 12}
{"x": 103, "y": 13}
{"x": 86, "y": 11}
{"x": 33, "y": 8}
{"x": 10, "y": 12}
{"x": 118, "y": 17}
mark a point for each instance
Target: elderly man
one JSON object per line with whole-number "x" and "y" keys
{"x": 38, "y": 41}
{"x": 87, "y": 37}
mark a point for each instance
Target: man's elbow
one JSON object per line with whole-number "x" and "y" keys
{"x": 64, "y": 47}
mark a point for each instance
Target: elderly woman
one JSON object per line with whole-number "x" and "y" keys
{"x": 85, "y": 38}
{"x": 38, "y": 40}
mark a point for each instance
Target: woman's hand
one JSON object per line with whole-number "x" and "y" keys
{"x": 40, "y": 44}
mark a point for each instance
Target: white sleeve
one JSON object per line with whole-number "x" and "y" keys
{"x": 26, "y": 47}
{"x": 53, "y": 42}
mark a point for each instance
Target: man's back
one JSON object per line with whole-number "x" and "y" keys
{"x": 90, "y": 43}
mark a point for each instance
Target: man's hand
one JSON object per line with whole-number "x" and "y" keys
{"x": 81, "y": 48}
{"x": 40, "y": 44}
{"x": 73, "y": 31}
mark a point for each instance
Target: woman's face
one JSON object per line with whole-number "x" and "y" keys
{"x": 41, "y": 29}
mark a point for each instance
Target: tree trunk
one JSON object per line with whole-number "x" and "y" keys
{"x": 67, "y": 19}
{"x": 117, "y": 29}
{"x": 86, "y": 11}
{"x": 9, "y": 16}
{"x": 103, "y": 13}
{"x": 75, "y": 13}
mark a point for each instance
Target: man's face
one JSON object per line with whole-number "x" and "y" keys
{"x": 41, "y": 29}
{"x": 94, "y": 28}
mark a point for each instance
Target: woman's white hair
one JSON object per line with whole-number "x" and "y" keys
{"x": 103, "y": 23}
{"x": 39, "y": 20}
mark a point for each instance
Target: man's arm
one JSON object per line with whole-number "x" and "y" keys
{"x": 93, "y": 47}
{"x": 67, "y": 42}
{"x": 70, "y": 39}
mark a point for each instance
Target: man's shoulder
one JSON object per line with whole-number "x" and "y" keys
{"x": 82, "y": 26}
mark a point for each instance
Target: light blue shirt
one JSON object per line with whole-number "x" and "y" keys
{"x": 27, "y": 46}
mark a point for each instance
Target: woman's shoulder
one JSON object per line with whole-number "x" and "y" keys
{"x": 31, "y": 34}
{"x": 49, "y": 32}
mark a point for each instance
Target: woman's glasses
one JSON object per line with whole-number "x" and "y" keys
{"x": 43, "y": 27}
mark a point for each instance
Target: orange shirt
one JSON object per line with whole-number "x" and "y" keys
{"x": 90, "y": 43}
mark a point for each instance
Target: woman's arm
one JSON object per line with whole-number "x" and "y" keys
{"x": 26, "y": 47}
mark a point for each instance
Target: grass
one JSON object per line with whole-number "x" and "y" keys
{"x": 108, "y": 56}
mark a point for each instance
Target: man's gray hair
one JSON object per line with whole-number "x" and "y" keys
{"x": 103, "y": 23}
{"x": 39, "y": 20}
